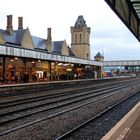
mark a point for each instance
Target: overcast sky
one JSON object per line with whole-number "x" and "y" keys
{"x": 108, "y": 34}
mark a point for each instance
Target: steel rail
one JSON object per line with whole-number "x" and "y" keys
{"x": 44, "y": 97}
{"x": 57, "y": 94}
{"x": 51, "y": 116}
{"x": 77, "y": 94}
{"x": 67, "y": 134}
{"x": 103, "y": 91}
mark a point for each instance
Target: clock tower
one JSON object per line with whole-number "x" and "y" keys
{"x": 80, "y": 34}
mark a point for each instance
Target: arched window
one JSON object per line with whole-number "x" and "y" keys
{"x": 87, "y": 38}
{"x": 80, "y": 38}
{"x": 87, "y": 56}
{"x": 76, "y": 38}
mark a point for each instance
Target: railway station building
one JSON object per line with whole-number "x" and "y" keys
{"x": 27, "y": 58}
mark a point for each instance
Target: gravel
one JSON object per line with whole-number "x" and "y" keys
{"x": 95, "y": 130}
{"x": 56, "y": 126}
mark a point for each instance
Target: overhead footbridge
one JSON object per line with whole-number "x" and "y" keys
{"x": 121, "y": 63}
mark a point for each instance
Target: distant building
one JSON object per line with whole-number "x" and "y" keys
{"x": 80, "y": 35}
{"x": 99, "y": 57}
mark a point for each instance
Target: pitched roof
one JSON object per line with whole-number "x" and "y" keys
{"x": 39, "y": 42}
{"x": 14, "y": 38}
{"x": 57, "y": 46}
{"x": 80, "y": 22}
{"x": 98, "y": 55}
{"x": 17, "y": 36}
{"x": 70, "y": 52}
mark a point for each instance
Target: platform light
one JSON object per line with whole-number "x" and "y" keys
{"x": 68, "y": 69}
{"x": 66, "y": 64}
{"x": 16, "y": 58}
{"x": 60, "y": 64}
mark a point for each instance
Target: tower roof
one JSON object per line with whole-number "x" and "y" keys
{"x": 80, "y": 22}
{"x": 98, "y": 55}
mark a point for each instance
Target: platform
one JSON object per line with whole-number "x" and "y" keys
{"x": 128, "y": 128}
{"x": 16, "y": 87}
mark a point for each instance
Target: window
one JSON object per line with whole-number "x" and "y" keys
{"x": 80, "y": 38}
{"x": 76, "y": 38}
{"x": 87, "y": 55}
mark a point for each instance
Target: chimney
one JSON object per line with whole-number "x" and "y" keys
{"x": 20, "y": 22}
{"x": 9, "y": 24}
{"x": 49, "y": 37}
{"x": 49, "y": 41}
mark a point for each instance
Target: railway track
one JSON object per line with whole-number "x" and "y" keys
{"x": 90, "y": 129}
{"x": 8, "y": 110}
{"x": 56, "y": 107}
{"x": 85, "y": 84}
{"x": 20, "y": 89}
{"x": 28, "y": 98}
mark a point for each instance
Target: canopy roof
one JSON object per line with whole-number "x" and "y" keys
{"x": 129, "y": 12}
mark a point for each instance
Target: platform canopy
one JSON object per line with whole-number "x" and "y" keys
{"x": 129, "y": 12}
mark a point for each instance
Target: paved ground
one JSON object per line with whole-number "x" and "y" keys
{"x": 128, "y": 127}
